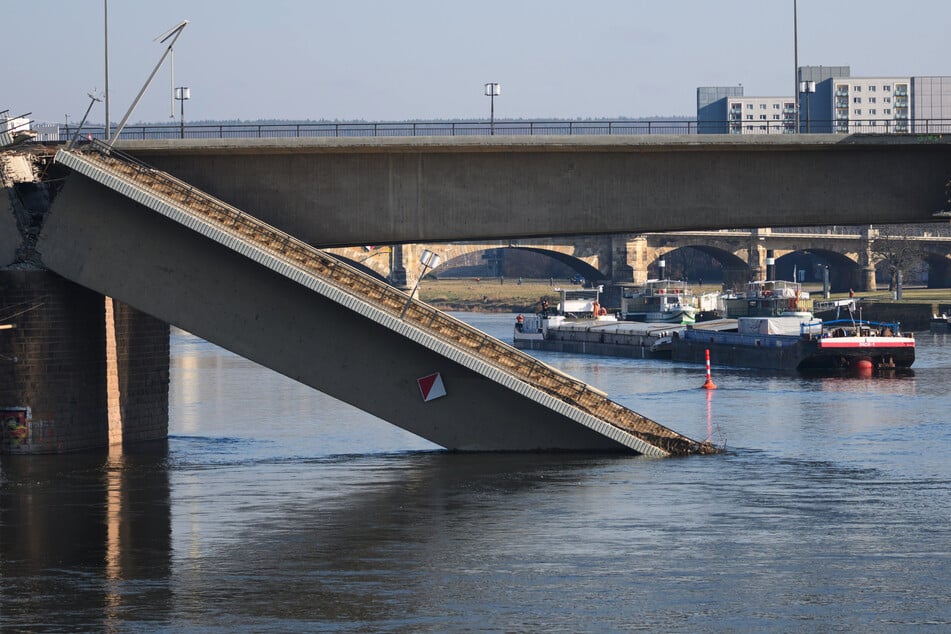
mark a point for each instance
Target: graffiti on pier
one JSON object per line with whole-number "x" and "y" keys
{"x": 14, "y": 427}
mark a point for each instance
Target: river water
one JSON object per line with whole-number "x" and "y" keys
{"x": 275, "y": 508}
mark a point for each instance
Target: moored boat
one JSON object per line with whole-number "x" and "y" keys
{"x": 581, "y": 325}
{"x": 772, "y": 328}
{"x": 659, "y": 301}
{"x": 603, "y": 335}
{"x": 940, "y": 323}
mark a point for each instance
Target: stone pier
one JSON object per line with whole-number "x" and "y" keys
{"x": 78, "y": 370}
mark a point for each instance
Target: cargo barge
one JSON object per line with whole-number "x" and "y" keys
{"x": 603, "y": 335}
{"x": 767, "y": 343}
{"x": 770, "y": 327}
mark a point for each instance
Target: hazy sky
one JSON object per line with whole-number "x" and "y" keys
{"x": 429, "y": 59}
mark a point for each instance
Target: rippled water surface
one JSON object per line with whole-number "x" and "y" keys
{"x": 276, "y": 508}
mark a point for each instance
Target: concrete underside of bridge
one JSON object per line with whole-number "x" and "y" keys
{"x": 103, "y": 241}
{"x": 341, "y": 192}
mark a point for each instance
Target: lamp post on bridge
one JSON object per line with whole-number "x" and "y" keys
{"x": 182, "y": 93}
{"x": 492, "y": 90}
{"x": 807, "y": 88}
{"x": 429, "y": 260}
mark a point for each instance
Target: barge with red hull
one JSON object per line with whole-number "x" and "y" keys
{"x": 774, "y": 329}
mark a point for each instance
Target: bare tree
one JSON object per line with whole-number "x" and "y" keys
{"x": 896, "y": 248}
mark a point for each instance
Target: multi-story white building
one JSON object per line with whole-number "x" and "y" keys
{"x": 836, "y": 103}
{"x": 871, "y": 104}
{"x": 761, "y": 115}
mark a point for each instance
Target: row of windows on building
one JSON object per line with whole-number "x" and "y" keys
{"x": 831, "y": 101}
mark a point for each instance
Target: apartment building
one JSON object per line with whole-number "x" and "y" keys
{"x": 871, "y": 104}
{"x": 833, "y": 102}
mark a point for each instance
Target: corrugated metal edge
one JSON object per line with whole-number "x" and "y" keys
{"x": 308, "y": 280}
{"x": 6, "y": 139}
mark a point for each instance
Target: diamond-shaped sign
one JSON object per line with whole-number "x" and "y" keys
{"x": 431, "y": 387}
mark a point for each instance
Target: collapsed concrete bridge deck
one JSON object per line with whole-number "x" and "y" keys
{"x": 174, "y": 252}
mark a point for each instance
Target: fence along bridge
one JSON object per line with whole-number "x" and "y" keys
{"x": 498, "y": 398}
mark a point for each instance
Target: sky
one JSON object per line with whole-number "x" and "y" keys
{"x": 382, "y": 60}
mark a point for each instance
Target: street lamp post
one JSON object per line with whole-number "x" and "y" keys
{"x": 183, "y": 93}
{"x": 92, "y": 99}
{"x": 429, "y": 260}
{"x": 807, "y": 88}
{"x": 172, "y": 34}
{"x": 492, "y": 90}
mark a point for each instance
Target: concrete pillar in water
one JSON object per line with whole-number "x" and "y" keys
{"x": 78, "y": 370}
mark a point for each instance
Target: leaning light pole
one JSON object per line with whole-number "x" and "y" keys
{"x": 92, "y": 99}
{"x": 172, "y": 34}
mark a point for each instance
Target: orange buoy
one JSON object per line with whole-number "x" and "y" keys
{"x": 708, "y": 384}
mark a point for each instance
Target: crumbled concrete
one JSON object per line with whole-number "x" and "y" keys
{"x": 22, "y": 209}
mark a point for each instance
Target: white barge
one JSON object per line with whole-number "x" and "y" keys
{"x": 603, "y": 335}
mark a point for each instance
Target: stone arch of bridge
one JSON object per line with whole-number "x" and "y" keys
{"x": 939, "y": 268}
{"x": 736, "y": 270}
{"x": 585, "y": 258}
{"x": 588, "y": 263}
{"x": 844, "y": 271}
{"x": 936, "y": 261}
{"x": 377, "y": 261}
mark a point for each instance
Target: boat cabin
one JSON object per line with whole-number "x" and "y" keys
{"x": 580, "y": 303}
{"x": 664, "y": 301}
{"x": 770, "y": 298}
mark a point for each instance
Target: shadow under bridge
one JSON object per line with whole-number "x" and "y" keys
{"x": 152, "y": 241}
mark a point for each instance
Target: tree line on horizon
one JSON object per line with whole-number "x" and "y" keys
{"x": 677, "y": 118}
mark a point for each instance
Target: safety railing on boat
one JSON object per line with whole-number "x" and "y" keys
{"x": 394, "y": 301}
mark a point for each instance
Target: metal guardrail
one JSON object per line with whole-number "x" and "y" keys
{"x": 382, "y": 295}
{"x": 621, "y": 127}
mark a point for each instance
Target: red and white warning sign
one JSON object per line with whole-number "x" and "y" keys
{"x": 431, "y": 387}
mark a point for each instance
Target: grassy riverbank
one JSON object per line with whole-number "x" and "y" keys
{"x": 511, "y": 297}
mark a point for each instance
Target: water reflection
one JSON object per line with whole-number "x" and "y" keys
{"x": 87, "y": 539}
{"x": 274, "y": 508}
{"x": 76, "y": 530}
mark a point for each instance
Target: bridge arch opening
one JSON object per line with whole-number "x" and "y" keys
{"x": 514, "y": 262}
{"x": 701, "y": 264}
{"x": 939, "y": 269}
{"x": 808, "y": 266}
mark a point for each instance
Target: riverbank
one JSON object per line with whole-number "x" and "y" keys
{"x": 509, "y": 296}
{"x": 489, "y": 295}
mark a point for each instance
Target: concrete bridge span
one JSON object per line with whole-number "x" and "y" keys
{"x": 369, "y": 191}
{"x": 133, "y": 233}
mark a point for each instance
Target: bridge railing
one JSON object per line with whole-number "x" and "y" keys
{"x": 394, "y": 301}
{"x": 622, "y": 127}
